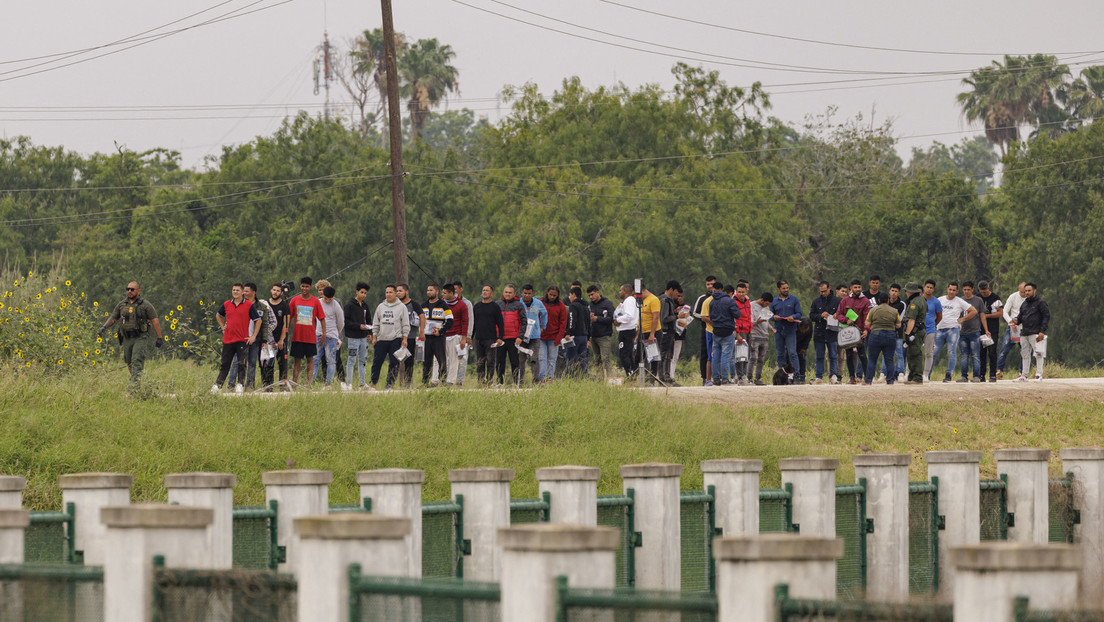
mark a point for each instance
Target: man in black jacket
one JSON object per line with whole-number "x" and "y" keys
{"x": 357, "y": 320}
{"x": 824, "y": 336}
{"x": 668, "y": 315}
{"x": 488, "y": 332}
{"x": 438, "y": 316}
{"x": 1033, "y": 320}
{"x": 578, "y": 332}
{"x": 601, "y": 329}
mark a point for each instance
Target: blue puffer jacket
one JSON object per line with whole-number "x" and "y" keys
{"x": 723, "y": 312}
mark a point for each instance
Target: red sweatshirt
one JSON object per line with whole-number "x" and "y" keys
{"x": 557, "y": 321}
{"x": 460, "y": 318}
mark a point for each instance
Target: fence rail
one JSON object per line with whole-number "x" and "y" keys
{"x": 620, "y": 511}
{"x": 793, "y": 609}
{"x": 443, "y": 543}
{"x": 189, "y": 595}
{"x": 531, "y": 510}
{"x": 404, "y": 599}
{"x": 54, "y": 592}
{"x": 364, "y": 506}
{"x": 1021, "y": 613}
{"x": 51, "y": 537}
{"x": 255, "y": 537}
{"x": 586, "y": 604}
{"x": 995, "y": 519}
{"x": 776, "y": 510}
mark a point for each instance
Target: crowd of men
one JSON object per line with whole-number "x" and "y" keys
{"x": 894, "y": 335}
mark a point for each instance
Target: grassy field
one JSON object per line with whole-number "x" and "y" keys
{"x": 84, "y": 422}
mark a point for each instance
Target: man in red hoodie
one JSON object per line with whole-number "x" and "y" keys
{"x": 552, "y": 334}
{"x": 514, "y": 320}
{"x": 743, "y": 329}
{"x": 456, "y": 334}
{"x": 855, "y": 301}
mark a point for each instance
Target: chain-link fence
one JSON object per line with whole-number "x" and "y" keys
{"x": 1021, "y": 612}
{"x": 923, "y": 537}
{"x": 618, "y": 511}
{"x": 698, "y": 520}
{"x": 254, "y": 539}
{"x": 524, "y": 511}
{"x": 994, "y": 509}
{"x": 776, "y": 509}
{"x": 443, "y": 538}
{"x": 49, "y": 537}
{"x": 1061, "y": 514}
{"x": 57, "y": 593}
{"x": 851, "y": 528}
{"x": 185, "y": 595}
{"x": 397, "y": 599}
{"x": 627, "y": 605}
{"x": 807, "y": 610}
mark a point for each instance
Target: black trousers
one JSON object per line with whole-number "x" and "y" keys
{"x": 626, "y": 342}
{"x": 484, "y": 364}
{"x": 229, "y": 350}
{"x": 434, "y": 349}
{"x": 703, "y": 357}
{"x": 666, "y": 353}
{"x": 508, "y": 349}
{"x": 860, "y": 357}
{"x": 989, "y": 355}
{"x": 382, "y": 352}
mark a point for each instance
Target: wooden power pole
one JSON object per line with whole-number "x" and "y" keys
{"x": 398, "y": 194}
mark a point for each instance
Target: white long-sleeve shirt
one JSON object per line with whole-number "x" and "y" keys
{"x": 627, "y": 314}
{"x": 1012, "y": 306}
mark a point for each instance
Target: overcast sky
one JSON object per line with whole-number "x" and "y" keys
{"x": 226, "y": 82}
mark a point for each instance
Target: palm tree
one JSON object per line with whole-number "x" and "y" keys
{"x": 1086, "y": 95}
{"x": 369, "y": 59}
{"x": 1022, "y": 91}
{"x": 427, "y": 76}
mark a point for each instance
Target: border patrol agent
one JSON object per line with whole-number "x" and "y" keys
{"x": 136, "y": 317}
{"x": 915, "y": 314}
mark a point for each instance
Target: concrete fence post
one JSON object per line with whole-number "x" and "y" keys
{"x": 398, "y": 492}
{"x": 11, "y": 491}
{"x": 89, "y": 493}
{"x": 658, "y": 516}
{"x": 535, "y": 555}
{"x": 887, "y": 504}
{"x": 13, "y": 522}
{"x": 1087, "y": 466}
{"x": 209, "y": 490}
{"x": 134, "y": 535}
{"x": 1028, "y": 493}
{"x": 573, "y": 491}
{"x": 330, "y": 543}
{"x": 814, "y": 493}
{"x": 960, "y": 502}
{"x": 735, "y": 485}
{"x": 989, "y": 576}
{"x": 486, "y": 492}
{"x": 298, "y": 492}
{"x": 749, "y": 568}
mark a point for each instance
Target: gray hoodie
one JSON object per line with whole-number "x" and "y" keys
{"x": 390, "y": 321}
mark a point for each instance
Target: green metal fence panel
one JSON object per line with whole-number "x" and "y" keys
{"x": 618, "y": 511}
{"x": 628, "y": 605}
{"x": 54, "y": 592}
{"x": 1061, "y": 514}
{"x": 365, "y": 505}
{"x": 851, "y": 528}
{"x": 806, "y": 610}
{"x": 524, "y": 511}
{"x": 399, "y": 599}
{"x": 237, "y": 595}
{"x": 697, "y": 519}
{"x": 443, "y": 544}
{"x": 923, "y": 537}
{"x": 994, "y": 509}
{"x": 49, "y": 537}
{"x": 255, "y": 536}
{"x": 1022, "y": 613}
{"x": 776, "y": 509}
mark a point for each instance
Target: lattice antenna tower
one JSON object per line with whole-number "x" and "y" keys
{"x": 323, "y": 70}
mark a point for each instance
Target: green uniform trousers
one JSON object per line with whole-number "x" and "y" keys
{"x": 914, "y": 356}
{"x": 135, "y": 352}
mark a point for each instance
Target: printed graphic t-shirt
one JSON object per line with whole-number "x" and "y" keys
{"x": 303, "y": 315}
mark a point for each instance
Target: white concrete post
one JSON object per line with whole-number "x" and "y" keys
{"x": 1028, "y": 493}
{"x": 486, "y": 492}
{"x": 209, "y": 490}
{"x": 398, "y": 492}
{"x": 534, "y": 555}
{"x": 330, "y": 543}
{"x": 735, "y": 485}
{"x": 959, "y": 501}
{"x": 1087, "y": 466}
{"x": 814, "y": 493}
{"x": 989, "y": 576}
{"x": 298, "y": 492}
{"x": 658, "y": 517}
{"x": 11, "y": 491}
{"x": 887, "y": 503}
{"x": 90, "y": 493}
{"x": 749, "y": 568}
{"x": 134, "y": 535}
{"x": 12, "y": 523}
{"x": 573, "y": 491}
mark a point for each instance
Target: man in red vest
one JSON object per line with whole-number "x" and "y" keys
{"x": 240, "y": 322}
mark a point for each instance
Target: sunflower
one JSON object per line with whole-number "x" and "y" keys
{"x": 185, "y": 344}
{"x": 179, "y": 307}
{"x": 68, "y": 283}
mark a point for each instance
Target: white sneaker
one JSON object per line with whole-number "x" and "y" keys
{"x": 901, "y": 377}
{"x": 880, "y": 378}
{"x": 345, "y": 386}
{"x": 818, "y": 381}
{"x": 1021, "y": 379}
{"x": 1038, "y": 378}
{"x": 834, "y": 380}
{"x": 214, "y": 389}
{"x": 239, "y": 389}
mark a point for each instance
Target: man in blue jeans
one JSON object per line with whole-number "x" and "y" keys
{"x": 824, "y": 335}
{"x": 357, "y": 329}
{"x": 948, "y": 330}
{"x": 723, "y": 312}
{"x": 335, "y": 321}
{"x": 787, "y": 315}
{"x": 970, "y": 335}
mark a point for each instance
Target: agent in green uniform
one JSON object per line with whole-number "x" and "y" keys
{"x": 137, "y": 319}
{"x": 915, "y": 314}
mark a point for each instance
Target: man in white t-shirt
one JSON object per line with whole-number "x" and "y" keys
{"x": 625, "y": 318}
{"x": 955, "y": 312}
{"x": 1011, "y": 310}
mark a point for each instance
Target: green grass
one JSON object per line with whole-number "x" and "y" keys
{"x": 84, "y": 422}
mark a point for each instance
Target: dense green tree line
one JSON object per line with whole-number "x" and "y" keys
{"x": 601, "y": 185}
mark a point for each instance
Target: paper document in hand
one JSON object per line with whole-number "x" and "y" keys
{"x": 461, "y": 351}
{"x": 525, "y": 351}
{"x": 1040, "y": 348}
{"x": 832, "y": 322}
{"x": 652, "y": 351}
{"x": 401, "y": 354}
{"x": 851, "y": 315}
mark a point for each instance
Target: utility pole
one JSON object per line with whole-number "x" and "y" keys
{"x": 398, "y": 194}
